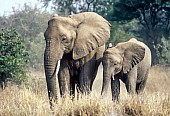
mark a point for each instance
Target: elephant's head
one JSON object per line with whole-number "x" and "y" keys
{"x": 120, "y": 59}
{"x": 78, "y": 34}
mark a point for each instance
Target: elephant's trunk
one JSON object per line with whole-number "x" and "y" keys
{"x": 106, "y": 81}
{"x": 50, "y": 65}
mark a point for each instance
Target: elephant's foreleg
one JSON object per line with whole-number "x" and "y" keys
{"x": 72, "y": 89}
{"x": 78, "y": 91}
{"x": 64, "y": 78}
{"x": 115, "y": 87}
{"x": 131, "y": 81}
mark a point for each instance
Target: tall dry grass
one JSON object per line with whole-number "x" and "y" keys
{"x": 32, "y": 100}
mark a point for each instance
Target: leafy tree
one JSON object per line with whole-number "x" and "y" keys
{"x": 67, "y": 7}
{"x": 153, "y": 17}
{"x": 121, "y": 32}
{"x": 13, "y": 57}
{"x": 30, "y": 22}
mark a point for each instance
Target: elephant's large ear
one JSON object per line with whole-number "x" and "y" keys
{"x": 92, "y": 32}
{"x": 133, "y": 54}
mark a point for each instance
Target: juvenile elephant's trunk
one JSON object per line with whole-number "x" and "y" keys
{"x": 106, "y": 81}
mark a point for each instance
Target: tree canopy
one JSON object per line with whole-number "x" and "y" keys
{"x": 67, "y": 7}
{"x": 153, "y": 18}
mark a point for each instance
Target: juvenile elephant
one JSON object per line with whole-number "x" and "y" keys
{"x": 78, "y": 41}
{"x": 128, "y": 61}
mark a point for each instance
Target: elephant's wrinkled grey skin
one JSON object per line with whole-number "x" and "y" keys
{"x": 78, "y": 42}
{"x": 128, "y": 61}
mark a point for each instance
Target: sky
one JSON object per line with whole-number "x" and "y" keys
{"x": 6, "y": 5}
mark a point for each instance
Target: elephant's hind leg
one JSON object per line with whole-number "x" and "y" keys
{"x": 141, "y": 85}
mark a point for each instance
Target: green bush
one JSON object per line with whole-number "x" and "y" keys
{"x": 13, "y": 57}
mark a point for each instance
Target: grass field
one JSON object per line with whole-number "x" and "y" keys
{"x": 32, "y": 100}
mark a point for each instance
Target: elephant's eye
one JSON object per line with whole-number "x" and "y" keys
{"x": 114, "y": 63}
{"x": 64, "y": 39}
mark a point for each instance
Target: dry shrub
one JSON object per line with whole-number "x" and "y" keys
{"x": 86, "y": 106}
{"x": 135, "y": 108}
{"x": 15, "y": 101}
{"x": 159, "y": 79}
{"x": 32, "y": 100}
{"x": 165, "y": 106}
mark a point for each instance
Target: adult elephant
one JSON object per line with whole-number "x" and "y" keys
{"x": 78, "y": 42}
{"x": 127, "y": 61}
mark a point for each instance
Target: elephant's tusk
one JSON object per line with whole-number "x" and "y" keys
{"x": 55, "y": 15}
{"x": 58, "y": 67}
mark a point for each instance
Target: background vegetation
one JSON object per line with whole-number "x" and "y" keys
{"x": 147, "y": 20}
{"x": 13, "y": 57}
